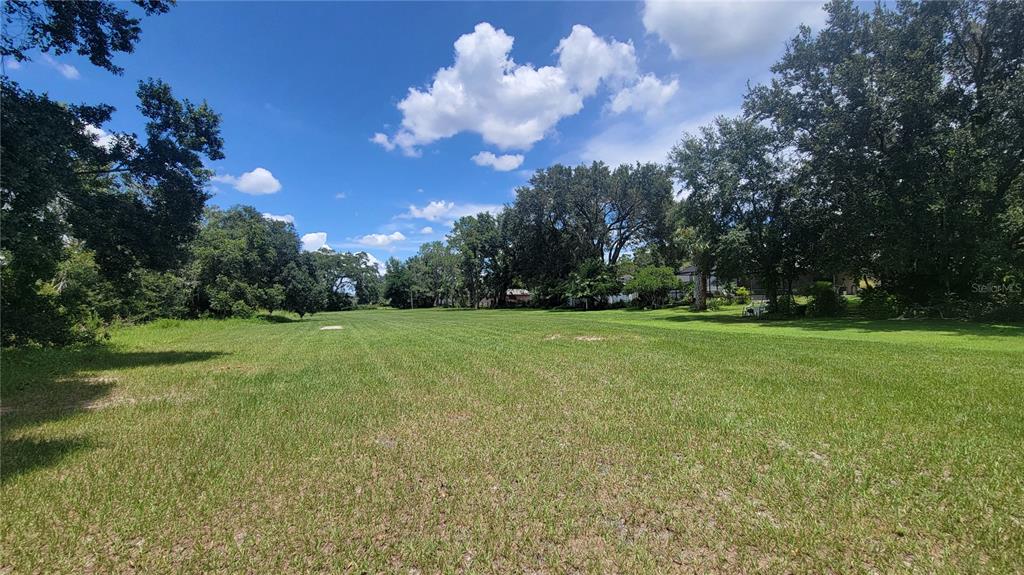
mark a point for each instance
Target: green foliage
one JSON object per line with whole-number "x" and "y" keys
{"x": 906, "y": 180}
{"x": 742, "y": 295}
{"x": 592, "y": 283}
{"x": 477, "y": 241}
{"x": 877, "y": 303}
{"x": 131, "y": 205}
{"x": 824, "y": 301}
{"x": 347, "y": 279}
{"x": 786, "y": 306}
{"x": 398, "y": 284}
{"x": 567, "y": 216}
{"x": 95, "y": 29}
{"x": 302, "y": 293}
{"x": 652, "y": 285}
{"x": 717, "y": 303}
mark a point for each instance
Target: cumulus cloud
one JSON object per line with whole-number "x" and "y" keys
{"x": 649, "y": 95}
{"x": 100, "y": 137}
{"x": 314, "y": 241}
{"x": 501, "y": 163}
{"x": 66, "y": 70}
{"x": 442, "y": 211}
{"x": 511, "y": 105}
{"x": 375, "y": 262}
{"x": 587, "y": 59}
{"x": 258, "y": 182}
{"x": 283, "y": 218}
{"x": 381, "y": 240}
{"x": 383, "y": 140}
{"x": 695, "y": 29}
{"x": 426, "y": 230}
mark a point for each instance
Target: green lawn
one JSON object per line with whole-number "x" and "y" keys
{"x": 518, "y": 441}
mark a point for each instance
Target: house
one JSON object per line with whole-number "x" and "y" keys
{"x": 513, "y": 296}
{"x": 688, "y": 274}
{"x": 517, "y": 296}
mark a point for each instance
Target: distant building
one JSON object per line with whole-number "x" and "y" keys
{"x": 687, "y": 274}
{"x": 513, "y": 296}
{"x": 517, "y": 296}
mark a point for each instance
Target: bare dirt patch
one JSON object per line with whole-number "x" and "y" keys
{"x": 331, "y": 328}
{"x": 589, "y": 338}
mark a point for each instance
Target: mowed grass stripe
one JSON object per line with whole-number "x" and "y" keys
{"x": 497, "y": 441}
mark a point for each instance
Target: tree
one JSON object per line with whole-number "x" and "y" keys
{"x": 476, "y": 240}
{"x": 398, "y": 283}
{"x": 569, "y": 216}
{"x": 652, "y": 284}
{"x": 907, "y": 124}
{"x": 239, "y": 262}
{"x": 741, "y": 194}
{"x": 302, "y": 292}
{"x": 592, "y": 283}
{"x": 95, "y": 29}
{"x": 132, "y": 205}
{"x": 347, "y": 279}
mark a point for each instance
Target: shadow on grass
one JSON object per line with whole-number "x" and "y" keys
{"x": 24, "y": 454}
{"x": 271, "y": 318}
{"x": 860, "y": 324}
{"x": 43, "y": 385}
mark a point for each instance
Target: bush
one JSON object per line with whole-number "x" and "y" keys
{"x": 716, "y": 303}
{"x": 876, "y": 303}
{"x": 742, "y": 295}
{"x": 652, "y": 285}
{"x": 786, "y": 306}
{"x": 824, "y": 301}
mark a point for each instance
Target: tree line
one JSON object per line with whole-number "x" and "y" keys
{"x": 887, "y": 147}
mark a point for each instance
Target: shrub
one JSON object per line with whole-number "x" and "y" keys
{"x": 786, "y": 306}
{"x": 652, "y": 285}
{"x": 876, "y": 303}
{"x": 716, "y": 303}
{"x": 742, "y": 295}
{"x": 824, "y": 301}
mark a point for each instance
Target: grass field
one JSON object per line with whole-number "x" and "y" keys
{"x": 518, "y": 441}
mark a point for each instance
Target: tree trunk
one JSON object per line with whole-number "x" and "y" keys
{"x": 700, "y": 292}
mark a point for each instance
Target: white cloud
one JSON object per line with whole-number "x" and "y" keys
{"x": 66, "y": 70}
{"x": 511, "y": 106}
{"x": 381, "y": 240}
{"x": 695, "y": 29}
{"x": 587, "y": 59}
{"x": 442, "y": 211}
{"x": 629, "y": 142}
{"x": 426, "y": 230}
{"x": 12, "y": 64}
{"x": 383, "y": 140}
{"x": 502, "y": 163}
{"x": 283, "y": 218}
{"x": 258, "y": 182}
{"x": 100, "y": 137}
{"x": 649, "y": 96}
{"x": 375, "y": 262}
{"x": 314, "y": 241}
{"x": 340, "y": 196}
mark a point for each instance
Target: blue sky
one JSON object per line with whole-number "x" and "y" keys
{"x": 373, "y": 126}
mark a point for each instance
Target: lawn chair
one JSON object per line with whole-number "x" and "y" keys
{"x": 757, "y": 308}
